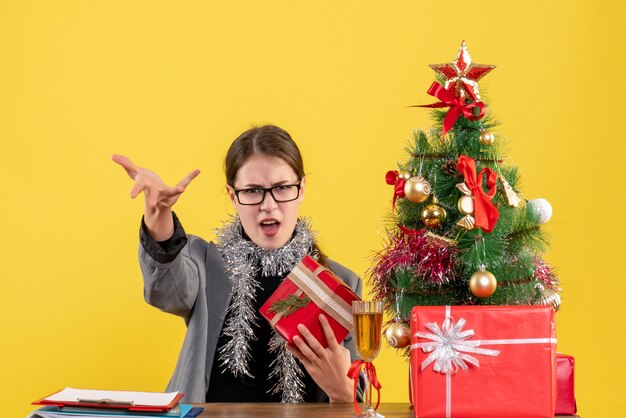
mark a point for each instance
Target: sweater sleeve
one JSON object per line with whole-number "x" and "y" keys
{"x": 164, "y": 251}
{"x": 170, "y": 271}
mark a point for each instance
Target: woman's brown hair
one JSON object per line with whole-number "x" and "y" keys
{"x": 271, "y": 141}
{"x": 267, "y": 140}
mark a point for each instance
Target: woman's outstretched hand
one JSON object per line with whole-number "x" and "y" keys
{"x": 158, "y": 196}
{"x": 327, "y": 366}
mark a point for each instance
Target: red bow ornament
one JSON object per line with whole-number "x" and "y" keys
{"x": 393, "y": 178}
{"x": 485, "y": 212}
{"x": 457, "y": 106}
{"x": 370, "y": 372}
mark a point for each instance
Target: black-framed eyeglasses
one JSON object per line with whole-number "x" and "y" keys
{"x": 256, "y": 195}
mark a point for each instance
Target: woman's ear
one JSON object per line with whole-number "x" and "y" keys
{"x": 231, "y": 195}
{"x": 302, "y": 187}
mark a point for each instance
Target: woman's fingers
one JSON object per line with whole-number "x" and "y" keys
{"x": 187, "y": 179}
{"x": 127, "y": 164}
{"x": 328, "y": 332}
{"x": 298, "y": 354}
{"x": 312, "y": 342}
{"x": 137, "y": 188}
{"x": 304, "y": 349}
{"x": 328, "y": 366}
{"x": 156, "y": 192}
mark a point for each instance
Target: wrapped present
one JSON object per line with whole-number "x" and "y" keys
{"x": 309, "y": 290}
{"x": 565, "y": 400}
{"x": 483, "y": 361}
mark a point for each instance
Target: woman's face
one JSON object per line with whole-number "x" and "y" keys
{"x": 270, "y": 223}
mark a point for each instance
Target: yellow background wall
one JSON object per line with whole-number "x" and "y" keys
{"x": 171, "y": 84}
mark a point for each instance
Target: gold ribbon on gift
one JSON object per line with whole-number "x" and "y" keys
{"x": 323, "y": 296}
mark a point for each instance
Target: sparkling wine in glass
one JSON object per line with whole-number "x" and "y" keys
{"x": 368, "y": 321}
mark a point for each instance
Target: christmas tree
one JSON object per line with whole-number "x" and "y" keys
{"x": 461, "y": 232}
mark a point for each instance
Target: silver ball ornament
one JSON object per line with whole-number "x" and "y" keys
{"x": 542, "y": 208}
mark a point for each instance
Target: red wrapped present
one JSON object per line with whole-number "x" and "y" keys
{"x": 483, "y": 361}
{"x": 565, "y": 400}
{"x": 308, "y": 290}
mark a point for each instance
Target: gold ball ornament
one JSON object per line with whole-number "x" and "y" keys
{"x": 417, "y": 189}
{"x": 434, "y": 215}
{"x": 405, "y": 175}
{"x": 482, "y": 284}
{"x": 487, "y": 138}
{"x": 398, "y": 335}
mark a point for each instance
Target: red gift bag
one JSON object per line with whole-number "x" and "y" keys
{"x": 565, "y": 399}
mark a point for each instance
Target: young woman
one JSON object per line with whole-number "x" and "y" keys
{"x": 230, "y": 353}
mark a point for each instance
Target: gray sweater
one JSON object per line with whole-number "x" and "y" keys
{"x": 189, "y": 279}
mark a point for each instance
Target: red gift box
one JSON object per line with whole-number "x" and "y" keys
{"x": 483, "y": 361}
{"x": 309, "y": 290}
{"x": 565, "y": 400}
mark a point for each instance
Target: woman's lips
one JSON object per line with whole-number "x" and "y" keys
{"x": 270, "y": 227}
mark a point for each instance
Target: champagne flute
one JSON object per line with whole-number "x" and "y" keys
{"x": 368, "y": 321}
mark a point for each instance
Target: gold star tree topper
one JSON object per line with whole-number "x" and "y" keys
{"x": 463, "y": 74}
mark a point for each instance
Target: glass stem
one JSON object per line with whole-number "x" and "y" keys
{"x": 367, "y": 394}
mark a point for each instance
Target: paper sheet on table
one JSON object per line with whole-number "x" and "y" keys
{"x": 137, "y": 398}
